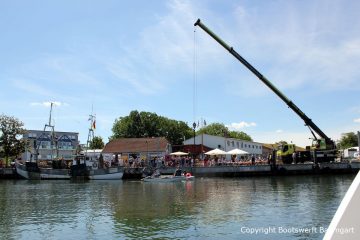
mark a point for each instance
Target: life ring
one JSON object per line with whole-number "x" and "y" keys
{"x": 94, "y": 165}
{"x": 188, "y": 174}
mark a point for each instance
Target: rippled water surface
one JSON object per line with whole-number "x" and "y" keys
{"x": 208, "y": 208}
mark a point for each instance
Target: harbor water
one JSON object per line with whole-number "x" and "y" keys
{"x": 287, "y": 207}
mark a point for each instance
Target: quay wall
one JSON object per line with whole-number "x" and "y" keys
{"x": 258, "y": 170}
{"x": 235, "y": 171}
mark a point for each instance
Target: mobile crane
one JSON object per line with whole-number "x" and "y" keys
{"x": 323, "y": 148}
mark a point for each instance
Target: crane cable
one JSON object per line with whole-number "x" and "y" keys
{"x": 195, "y": 77}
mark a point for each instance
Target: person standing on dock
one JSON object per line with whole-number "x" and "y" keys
{"x": 252, "y": 159}
{"x": 294, "y": 157}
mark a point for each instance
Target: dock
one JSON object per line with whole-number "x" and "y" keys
{"x": 263, "y": 170}
{"x": 235, "y": 170}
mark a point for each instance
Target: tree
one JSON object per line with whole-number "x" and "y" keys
{"x": 347, "y": 140}
{"x": 216, "y": 129}
{"x": 11, "y": 145}
{"x": 282, "y": 142}
{"x": 147, "y": 124}
{"x": 97, "y": 143}
{"x": 240, "y": 135}
{"x": 219, "y": 129}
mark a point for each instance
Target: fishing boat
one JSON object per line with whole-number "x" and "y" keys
{"x": 85, "y": 167}
{"x": 88, "y": 166}
{"x": 36, "y": 169}
{"x": 32, "y": 171}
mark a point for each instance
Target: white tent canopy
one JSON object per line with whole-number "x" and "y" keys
{"x": 216, "y": 151}
{"x": 178, "y": 153}
{"x": 237, "y": 151}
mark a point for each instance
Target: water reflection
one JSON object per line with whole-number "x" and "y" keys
{"x": 206, "y": 208}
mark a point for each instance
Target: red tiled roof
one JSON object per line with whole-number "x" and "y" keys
{"x": 127, "y": 145}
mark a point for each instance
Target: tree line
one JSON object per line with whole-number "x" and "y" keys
{"x": 147, "y": 124}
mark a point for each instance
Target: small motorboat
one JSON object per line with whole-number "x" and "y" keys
{"x": 164, "y": 179}
{"x": 177, "y": 177}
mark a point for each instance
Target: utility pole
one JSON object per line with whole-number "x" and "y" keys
{"x": 358, "y": 133}
{"x": 194, "y": 128}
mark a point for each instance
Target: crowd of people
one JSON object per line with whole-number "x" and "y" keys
{"x": 189, "y": 161}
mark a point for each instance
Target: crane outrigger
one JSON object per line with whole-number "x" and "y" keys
{"x": 323, "y": 148}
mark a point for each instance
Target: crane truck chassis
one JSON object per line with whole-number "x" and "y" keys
{"x": 323, "y": 149}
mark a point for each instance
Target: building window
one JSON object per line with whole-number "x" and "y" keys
{"x": 45, "y": 145}
{"x": 32, "y": 135}
{"x": 245, "y": 146}
{"x": 242, "y": 145}
{"x": 233, "y": 144}
{"x": 237, "y": 144}
{"x": 228, "y": 143}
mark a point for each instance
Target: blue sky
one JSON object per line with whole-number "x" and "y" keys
{"x": 119, "y": 56}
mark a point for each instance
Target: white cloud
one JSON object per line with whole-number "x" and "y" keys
{"x": 292, "y": 53}
{"x": 279, "y": 131}
{"x": 48, "y": 104}
{"x": 357, "y": 120}
{"x": 163, "y": 52}
{"x": 240, "y": 125}
{"x": 32, "y": 87}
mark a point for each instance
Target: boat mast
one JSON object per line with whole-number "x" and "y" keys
{"x": 90, "y": 137}
{"x": 53, "y": 141}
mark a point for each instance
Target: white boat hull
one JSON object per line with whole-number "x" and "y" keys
{"x": 44, "y": 173}
{"x": 21, "y": 170}
{"x": 164, "y": 179}
{"x": 106, "y": 174}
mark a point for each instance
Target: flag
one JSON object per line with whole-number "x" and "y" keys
{"x": 94, "y": 125}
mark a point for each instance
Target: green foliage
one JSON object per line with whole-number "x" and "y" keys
{"x": 11, "y": 129}
{"x": 240, "y": 135}
{"x": 147, "y": 124}
{"x": 97, "y": 143}
{"x": 282, "y": 142}
{"x": 216, "y": 129}
{"x": 219, "y": 129}
{"x": 348, "y": 140}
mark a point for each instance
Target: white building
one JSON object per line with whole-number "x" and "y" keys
{"x": 225, "y": 144}
{"x": 351, "y": 152}
{"x": 63, "y": 145}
